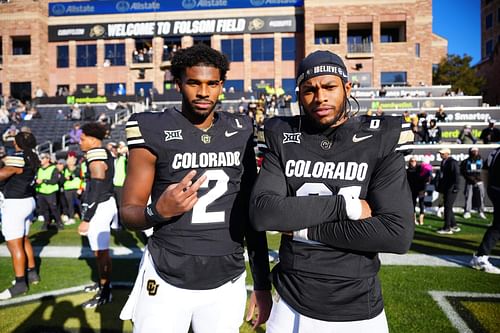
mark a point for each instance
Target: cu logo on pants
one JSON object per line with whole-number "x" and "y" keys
{"x": 152, "y": 287}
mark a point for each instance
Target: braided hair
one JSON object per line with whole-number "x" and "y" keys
{"x": 27, "y": 142}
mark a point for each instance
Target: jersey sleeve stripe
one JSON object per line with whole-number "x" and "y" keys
{"x": 96, "y": 154}
{"x": 132, "y": 142}
{"x": 14, "y": 161}
{"x": 133, "y": 132}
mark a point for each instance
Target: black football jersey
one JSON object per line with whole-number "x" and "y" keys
{"x": 22, "y": 185}
{"x": 208, "y": 240}
{"x": 331, "y": 275}
{"x": 100, "y": 154}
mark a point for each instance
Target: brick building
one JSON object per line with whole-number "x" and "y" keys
{"x": 110, "y": 47}
{"x": 489, "y": 66}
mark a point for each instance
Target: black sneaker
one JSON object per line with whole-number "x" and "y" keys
{"x": 92, "y": 288}
{"x": 33, "y": 277}
{"x": 102, "y": 297}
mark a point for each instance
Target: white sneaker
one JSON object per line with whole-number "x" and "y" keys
{"x": 440, "y": 212}
{"x": 69, "y": 222}
{"x": 4, "y": 295}
{"x": 466, "y": 215}
{"x": 481, "y": 215}
{"x": 64, "y": 218}
{"x": 483, "y": 264}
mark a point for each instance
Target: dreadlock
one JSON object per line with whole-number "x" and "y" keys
{"x": 198, "y": 54}
{"x": 27, "y": 142}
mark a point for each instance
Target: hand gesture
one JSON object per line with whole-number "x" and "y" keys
{"x": 180, "y": 197}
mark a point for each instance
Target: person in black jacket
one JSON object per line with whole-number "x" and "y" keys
{"x": 335, "y": 185}
{"x": 448, "y": 186}
{"x": 418, "y": 178}
{"x": 480, "y": 259}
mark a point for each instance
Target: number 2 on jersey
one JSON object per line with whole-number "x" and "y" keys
{"x": 200, "y": 214}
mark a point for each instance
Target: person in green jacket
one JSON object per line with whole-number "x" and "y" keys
{"x": 72, "y": 185}
{"x": 47, "y": 179}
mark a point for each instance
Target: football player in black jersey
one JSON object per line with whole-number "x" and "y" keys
{"x": 19, "y": 176}
{"x": 198, "y": 167}
{"x": 338, "y": 183}
{"x": 98, "y": 206}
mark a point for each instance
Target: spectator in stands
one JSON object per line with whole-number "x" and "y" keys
{"x": 470, "y": 169}
{"x": 88, "y": 112}
{"x": 440, "y": 114}
{"x": 74, "y": 134}
{"x": 60, "y": 115}
{"x": 120, "y": 91}
{"x": 419, "y": 176}
{"x": 4, "y": 115}
{"x": 25, "y": 129}
{"x": 76, "y": 113}
{"x": 449, "y": 179}
{"x": 407, "y": 116}
{"x": 103, "y": 119}
{"x": 490, "y": 134}
{"x": 418, "y": 133}
{"x": 8, "y": 138}
{"x": 47, "y": 186}
{"x": 433, "y": 132}
{"x": 33, "y": 114}
{"x": 465, "y": 136}
{"x": 480, "y": 258}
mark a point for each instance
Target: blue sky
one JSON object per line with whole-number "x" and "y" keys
{"x": 459, "y": 22}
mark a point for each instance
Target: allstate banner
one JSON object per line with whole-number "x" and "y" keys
{"x": 147, "y": 6}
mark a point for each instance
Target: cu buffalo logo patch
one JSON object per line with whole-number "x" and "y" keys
{"x": 152, "y": 287}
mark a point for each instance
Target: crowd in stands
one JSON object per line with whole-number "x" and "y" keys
{"x": 143, "y": 55}
{"x": 426, "y": 129}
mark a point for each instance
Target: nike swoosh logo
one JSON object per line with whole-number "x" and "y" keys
{"x": 230, "y": 134}
{"x": 356, "y": 139}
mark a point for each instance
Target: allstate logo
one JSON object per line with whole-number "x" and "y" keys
{"x": 257, "y": 3}
{"x": 122, "y": 6}
{"x": 188, "y": 4}
{"x": 58, "y": 9}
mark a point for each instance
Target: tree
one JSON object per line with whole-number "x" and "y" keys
{"x": 457, "y": 71}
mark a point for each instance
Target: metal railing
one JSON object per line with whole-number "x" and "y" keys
{"x": 45, "y": 147}
{"x": 360, "y": 48}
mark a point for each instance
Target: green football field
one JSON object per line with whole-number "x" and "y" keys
{"x": 418, "y": 298}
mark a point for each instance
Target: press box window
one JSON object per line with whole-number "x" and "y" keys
{"x": 86, "y": 55}
{"x": 392, "y": 32}
{"x": 233, "y": 49}
{"x": 21, "y": 45}
{"x": 393, "y": 78}
{"x": 489, "y": 47}
{"x": 326, "y": 34}
{"x": 62, "y": 56}
{"x": 489, "y": 21}
{"x": 263, "y": 49}
{"x": 288, "y": 48}
{"x": 115, "y": 54}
